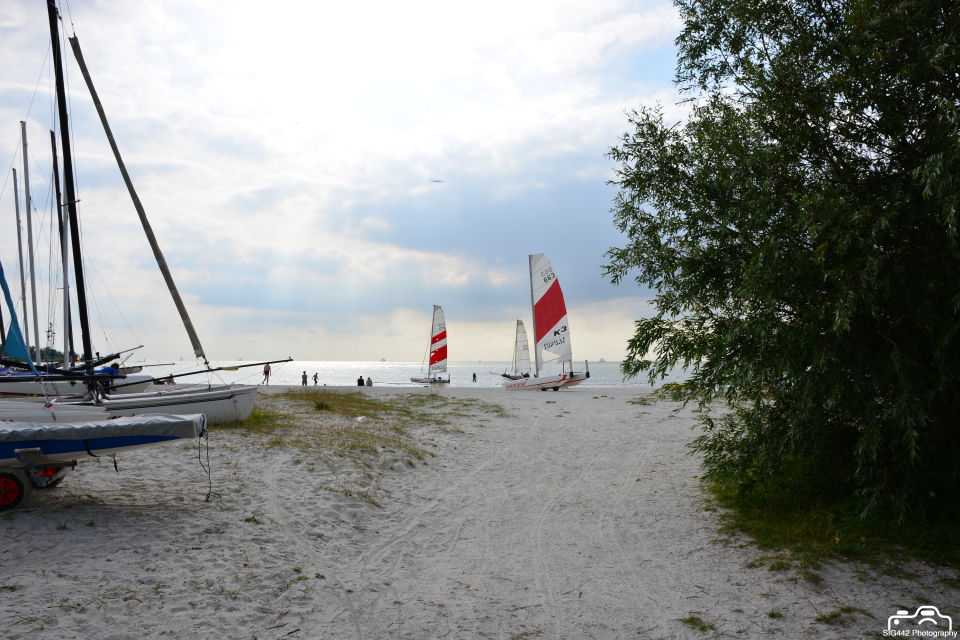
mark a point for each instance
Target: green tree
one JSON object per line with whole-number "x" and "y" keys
{"x": 799, "y": 228}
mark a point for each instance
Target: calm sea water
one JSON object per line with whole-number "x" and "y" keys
{"x": 394, "y": 374}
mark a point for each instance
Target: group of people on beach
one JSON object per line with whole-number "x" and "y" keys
{"x": 316, "y": 378}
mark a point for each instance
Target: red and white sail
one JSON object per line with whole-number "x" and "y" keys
{"x": 438, "y": 342}
{"x": 550, "y": 328}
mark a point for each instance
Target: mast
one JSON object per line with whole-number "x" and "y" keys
{"x": 23, "y": 276}
{"x": 28, "y": 203}
{"x": 148, "y": 230}
{"x": 533, "y": 311}
{"x": 69, "y": 186}
{"x": 64, "y": 256}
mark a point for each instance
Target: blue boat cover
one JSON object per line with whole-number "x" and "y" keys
{"x": 152, "y": 424}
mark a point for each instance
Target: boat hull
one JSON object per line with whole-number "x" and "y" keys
{"x": 430, "y": 380}
{"x": 25, "y": 443}
{"x": 220, "y": 405}
{"x": 542, "y": 383}
{"x": 28, "y": 386}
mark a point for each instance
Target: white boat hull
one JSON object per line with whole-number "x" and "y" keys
{"x": 430, "y": 380}
{"x": 542, "y": 383}
{"x": 30, "y": 387}
{"x": 27, "y": 410}
{"x": 220, "y": 405}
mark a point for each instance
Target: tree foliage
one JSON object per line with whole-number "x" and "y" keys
{"x": 800, "y": 230}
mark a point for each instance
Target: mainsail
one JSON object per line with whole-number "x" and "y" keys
{"x": 13, "y": 343}
{"x": 521, "y": 351}
{"x": 550, "y": 328}
{"x": 438, "y": 342}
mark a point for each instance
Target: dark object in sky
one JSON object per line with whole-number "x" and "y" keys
{"x": 435, "y": 180}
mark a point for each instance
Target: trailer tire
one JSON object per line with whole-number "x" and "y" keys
{"x": 14, "y": 489}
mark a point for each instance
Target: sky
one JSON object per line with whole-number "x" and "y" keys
{"x": 319, "y": 174}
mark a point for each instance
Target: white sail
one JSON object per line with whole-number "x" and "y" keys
{"x": 521, "y": 351}
{"x": 438, "y": 342}
{"x": 550, "y": 329}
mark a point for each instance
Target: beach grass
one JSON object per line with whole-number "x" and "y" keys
{"x": 367, "y": 431}
{"x": 810, "y": 532}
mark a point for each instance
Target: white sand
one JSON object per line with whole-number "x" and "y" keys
{"x": 580, "y": 516}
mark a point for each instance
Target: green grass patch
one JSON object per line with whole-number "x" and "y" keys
{"x": 842, "y": 617}
{"x": 260, "y": 421}
{"x": 811, "y": 532}
{"x": 698, "y": 623}
{"x": 644, "y": 401}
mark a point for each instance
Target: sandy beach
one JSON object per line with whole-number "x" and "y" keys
{"x": 575, "y": 514}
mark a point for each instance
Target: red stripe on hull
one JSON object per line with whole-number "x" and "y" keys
{"x": 548, "y": 310}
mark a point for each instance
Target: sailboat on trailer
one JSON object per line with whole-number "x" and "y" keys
{"x": 551, "y": 331}
{"x": 437, "y": 348}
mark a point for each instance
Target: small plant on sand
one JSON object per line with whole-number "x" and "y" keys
{"x": 698, "y": 623}
{"x": 841, "y": 617}
{"x": 252, "y": 520}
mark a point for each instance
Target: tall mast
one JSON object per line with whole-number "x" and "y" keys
{"x": 68, "y": 183}
{"x": 28, "y": 203}
{"x": 64, "y": 256}
{"x": 148, "y": 230}
{"x": 23, "y": 272}
{"x": 533, "y": 311}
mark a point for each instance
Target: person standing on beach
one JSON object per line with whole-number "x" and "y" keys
{"x": 360, "y": 381}
{"x": 315, "y": 378}
{"x": 475, "y": 375}
{"x": 266, "y": 373}
{"x": 303, "y": 379}
{"x": 369, "y": 381}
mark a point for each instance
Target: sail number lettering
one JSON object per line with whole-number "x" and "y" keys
{"x": 548, "y": 275}
{"x": 559, "y": 338}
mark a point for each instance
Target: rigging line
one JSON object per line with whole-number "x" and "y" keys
{"x": 36, "y": 88}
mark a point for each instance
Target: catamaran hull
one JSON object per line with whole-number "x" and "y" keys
{"x": 430, "y": 380}
{"x": 28, "y": 410}
{"x": 23, "y": 444}
{"x": 27, "y": 386}
{"x": 543, "y": 383}
{"x": 220, "y": 405}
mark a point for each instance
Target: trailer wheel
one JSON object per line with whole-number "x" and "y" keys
{"x": 556, "y": 388}
{"x": 13, "y": 490}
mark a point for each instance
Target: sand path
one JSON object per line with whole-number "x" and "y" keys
{"x": 578, "y": 516}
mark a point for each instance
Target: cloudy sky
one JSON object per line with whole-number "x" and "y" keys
{"x": 319, "y": 174}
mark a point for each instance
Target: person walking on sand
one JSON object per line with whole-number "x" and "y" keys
{"x": 360, "y": 381}
{"x": 475, "y": 375}
{"x": 315, "y": 379}
{"x": 369, "y": 381}
{"x": 266, "y": 373}
{"x": 303, "y": 379}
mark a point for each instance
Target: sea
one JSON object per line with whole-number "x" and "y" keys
{"x": 391, "y": 374}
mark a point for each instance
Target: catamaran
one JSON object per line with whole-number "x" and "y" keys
{"x": 520, "y": 366}
{"x": 437, "y": 348}
{"x": 551, "y": 331}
